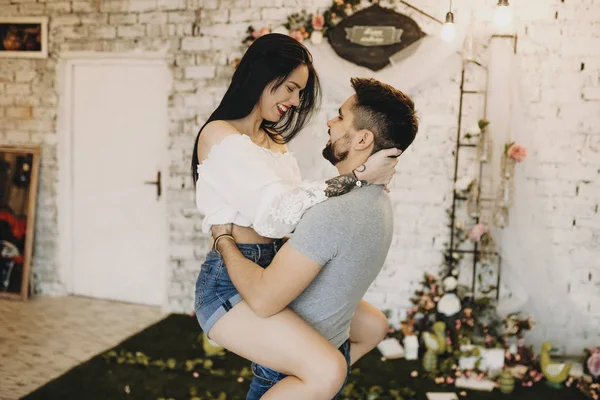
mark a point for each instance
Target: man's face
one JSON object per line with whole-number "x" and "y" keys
{"x": 341, "y": 132}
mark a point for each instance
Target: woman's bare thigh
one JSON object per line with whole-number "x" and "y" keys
{"x": 283, "y": 342}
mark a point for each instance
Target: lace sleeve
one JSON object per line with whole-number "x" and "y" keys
{"x": 280, "y": 216}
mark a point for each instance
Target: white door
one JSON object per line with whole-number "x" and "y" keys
{"x": 118, "y": 131}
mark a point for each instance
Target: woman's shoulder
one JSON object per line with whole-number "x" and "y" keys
{"x": 215, "y": 131}
{"x": 221, "y": 136}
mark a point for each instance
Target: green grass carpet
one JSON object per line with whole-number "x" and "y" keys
{"x": 166, "y": 361}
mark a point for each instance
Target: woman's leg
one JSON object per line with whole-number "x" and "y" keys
{"x": 285, "y": 343}
{"x": 369, "y": 326}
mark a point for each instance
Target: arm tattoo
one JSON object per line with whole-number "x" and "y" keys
{"x": 340, "y": 185}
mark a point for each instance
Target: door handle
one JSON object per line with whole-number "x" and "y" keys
{"x": 157, "y": 182}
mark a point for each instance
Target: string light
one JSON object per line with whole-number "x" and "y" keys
{"x": 448, "y": 32}
{"x": 502, "y": 15}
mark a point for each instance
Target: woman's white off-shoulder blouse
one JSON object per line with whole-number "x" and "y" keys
{"x": 249, "y": 185}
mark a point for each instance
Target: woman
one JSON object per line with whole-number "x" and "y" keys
{"x": 245, "y": 176}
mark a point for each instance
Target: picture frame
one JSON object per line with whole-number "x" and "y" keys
{"x": 19, "y": 172}
{"x": 24, "y": 37}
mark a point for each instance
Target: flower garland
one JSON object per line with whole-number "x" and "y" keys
{"x": 304, "y": 25}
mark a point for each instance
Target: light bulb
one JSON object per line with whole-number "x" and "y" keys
{"x": 448, "y": 32}
{"x": 502, "y": 15}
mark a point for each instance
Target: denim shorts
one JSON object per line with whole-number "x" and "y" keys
{"x": 265, "y": 378}
{"x": 215, "y": 293}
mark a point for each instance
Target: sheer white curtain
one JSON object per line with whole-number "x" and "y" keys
{"x": 416, "y": 64}
{"x": 531, "y": 270}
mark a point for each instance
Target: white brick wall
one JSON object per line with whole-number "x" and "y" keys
{"x": 558, "y": 46}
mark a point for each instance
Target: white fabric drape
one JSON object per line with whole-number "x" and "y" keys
{"x": 413, "y": 66}
{"x": 531, "y": 270}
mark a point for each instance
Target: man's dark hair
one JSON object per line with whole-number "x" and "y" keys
{"x": 385, "y": 111}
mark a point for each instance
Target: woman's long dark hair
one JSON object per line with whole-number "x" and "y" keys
{"x": 270, "y": 59}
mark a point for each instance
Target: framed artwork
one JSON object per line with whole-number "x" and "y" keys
{"x": 24, "y": 37}
{"x": 19, "y": 171}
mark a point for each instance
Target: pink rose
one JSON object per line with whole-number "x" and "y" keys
{"x": 318, "y": 22}
{"x": 262, "y": 32}
{"x": 517, "y": 152}
{"x": 297, "y": 35}
{"x": 477, "y": 232}
{"x": 539, "y": 377}
{"x": 593, "y": 364}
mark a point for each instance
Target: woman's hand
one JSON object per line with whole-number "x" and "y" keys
{"x": 379, "y": 169}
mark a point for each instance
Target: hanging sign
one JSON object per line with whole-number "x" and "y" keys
{"x": 374, "y": 35}
{"x": 371, "y": 36}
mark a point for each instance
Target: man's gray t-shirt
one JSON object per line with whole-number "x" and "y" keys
{"x": 349, "y": 236}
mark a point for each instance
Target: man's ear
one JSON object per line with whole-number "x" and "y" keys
{"x": 364, "y": 139}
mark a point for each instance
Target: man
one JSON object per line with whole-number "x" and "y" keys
{"x": 340, "y": 245}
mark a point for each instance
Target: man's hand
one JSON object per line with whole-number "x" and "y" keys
{"x": 224, "y": 229}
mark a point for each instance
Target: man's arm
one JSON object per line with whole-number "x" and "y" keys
{"x": 269, "y": 290}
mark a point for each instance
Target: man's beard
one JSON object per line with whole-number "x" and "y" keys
{"x": 333, "y": 154}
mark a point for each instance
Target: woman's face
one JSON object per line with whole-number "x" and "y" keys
{"x": 273, "y": 105}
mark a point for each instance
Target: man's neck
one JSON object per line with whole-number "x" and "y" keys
{"x": 351, "y": 163}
